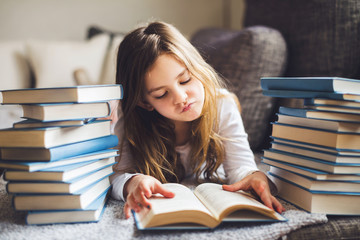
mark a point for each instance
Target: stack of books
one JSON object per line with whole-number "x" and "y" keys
{"x": 315, "y": 153}
{"x": 59, "y": 159}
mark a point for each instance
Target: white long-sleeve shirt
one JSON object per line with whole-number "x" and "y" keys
{"x": 239, "y": 159}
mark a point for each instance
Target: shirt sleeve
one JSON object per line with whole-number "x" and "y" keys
{"x": 239, "y": 159}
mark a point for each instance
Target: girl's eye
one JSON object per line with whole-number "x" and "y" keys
{"x": 159, "y": 97}
{"x": 186, "y": 81}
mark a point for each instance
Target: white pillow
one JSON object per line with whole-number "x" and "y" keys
{"x": 14, "y": 67}
{"x": 54, "y": 62}
{"x": 109, "y": 71}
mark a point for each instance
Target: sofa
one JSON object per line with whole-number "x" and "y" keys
{"x": 286, "y": 38}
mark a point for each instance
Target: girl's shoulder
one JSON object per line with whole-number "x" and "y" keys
{"x": 228, "y": 100}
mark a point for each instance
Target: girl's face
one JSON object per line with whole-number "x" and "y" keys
{"x": 172, "y": 91}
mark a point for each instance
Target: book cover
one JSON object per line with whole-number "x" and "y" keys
{"x": 30, "y": 123}
{"x": 61, "y": 173}
{"x": 78, "y": 200}
{"x": 65, "y": 111}
{"x": 75, "y": 94}
{"x": 91, "y": 213}
{"x": 59, "y": 152}
{"x": 37, "y": 166}
{"x": 312, "y": 173}
{"x": 331, "y": 102}
{"x": 327, "y": 138}
{"x": 310, "y": 94}
{"x": 54, "y": 136}
{"x": 320, "y": 84}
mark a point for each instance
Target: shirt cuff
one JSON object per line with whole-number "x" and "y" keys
{"x": 118, "y": 184}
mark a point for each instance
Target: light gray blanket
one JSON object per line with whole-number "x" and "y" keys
{"x": 113, "y": 225}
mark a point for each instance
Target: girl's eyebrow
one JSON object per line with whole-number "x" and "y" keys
{"x": 177, "y": 77}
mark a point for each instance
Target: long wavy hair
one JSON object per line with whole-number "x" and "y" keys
{"x": 151, "y": 136}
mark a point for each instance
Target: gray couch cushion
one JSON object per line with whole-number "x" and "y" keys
{"x": 243, "y": 57}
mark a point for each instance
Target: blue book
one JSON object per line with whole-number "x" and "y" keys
{"x": 319, "y": 84}
{"x": 310, "y": 94}
{"x": 67, "y": 186}
{"x": 315, "y": 153}
{"x": 316, "y": 147}
{"x": 36, "y": 166}
{"x": 310, "y": 172}
{"x": 311, "y": 184}
{"x": 53, "y": 136}
{"x": 30, "y": 123}
{"x": 329, "y": 167}
{"x": 61, "y": 173}
{"x": 73, "y": 94}
{"x": 322, "y": 137}
{"x": 332, "y": 203}
{"x": 91, "y": 213}
{"x": 59, "y": 152}
{"x": 78, "y": 200}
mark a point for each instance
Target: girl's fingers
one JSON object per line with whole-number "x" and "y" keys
{"x": 159, "y": 188}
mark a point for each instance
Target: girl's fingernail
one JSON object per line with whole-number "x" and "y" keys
{"x": 148, "y": 206}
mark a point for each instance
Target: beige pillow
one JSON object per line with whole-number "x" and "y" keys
{"x": 109, "y": 71}
{"x": 54, "y": 62}
{"x": 14, "y": 67}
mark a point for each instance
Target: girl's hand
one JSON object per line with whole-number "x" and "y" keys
{"x": 139, "y": 189}
{"x": 257, "y": 182}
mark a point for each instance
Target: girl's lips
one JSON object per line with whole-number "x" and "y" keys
{"x": 187, "y": 108}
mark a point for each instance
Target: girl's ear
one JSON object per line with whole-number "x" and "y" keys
{"x": 146, "y": 105}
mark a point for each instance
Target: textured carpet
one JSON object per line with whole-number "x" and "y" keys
{"x": 114, "y": 226}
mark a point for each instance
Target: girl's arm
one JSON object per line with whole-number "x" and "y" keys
{"x": 239, "y": 163}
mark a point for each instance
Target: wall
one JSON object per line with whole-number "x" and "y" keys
{"x": 69, "y": 19}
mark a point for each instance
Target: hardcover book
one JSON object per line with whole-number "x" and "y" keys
{"x": 59, "y": 152}
{"x": 54, "y": 136}
{"x": 37, "y": 166}
{"x": 335, "y": 139}
{"x": 30, "y": 123}
{"x": 61, "y": 173}
{"x": 312, "y": 173}
{"x": 341, "y": 203}
{"x": 320, "y": 84}
{"x": 78, "y": 200}
{"x": 207, "y": 207}
{"x": 66, "y": 111}
{"x": 75, "y": 94}
{"x": 91, "y": 213}
{"x": 310, "y": 94}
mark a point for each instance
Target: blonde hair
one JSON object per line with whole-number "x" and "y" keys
{"x": 151, "y": 136}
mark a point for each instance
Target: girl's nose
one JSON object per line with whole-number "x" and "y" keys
{"x": 180, "y": 96}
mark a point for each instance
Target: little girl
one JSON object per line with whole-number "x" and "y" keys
{"x": 177, "y": 121}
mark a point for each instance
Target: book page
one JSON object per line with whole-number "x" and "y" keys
{"x": 221, "y": 203}
{"x": 184, "y": 207}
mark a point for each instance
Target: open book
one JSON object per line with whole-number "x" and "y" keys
{"x": 207, "y": 206}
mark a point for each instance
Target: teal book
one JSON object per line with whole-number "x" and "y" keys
{"x": 310, "y": 172}
{"x": 37, "y": 166}
{"x": 91, "y": 213}
{"x": 59, "y": 152}
{"x": 325, "y": 186}
{"x": 331, "y": 203}
{"x": 53, "y": 136}
{"x": 67, "y": 186}
{"x": 61, "y": 173}
{"x": 30, "y": 123}
{"x": 310, "y": 94}
{"x": 326, "y": 166}
{"x": 73, "y": 94}
{"x": 78, "y": 200}
{"x": 332, "y": 102}
{"x": 319, "y": 84}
